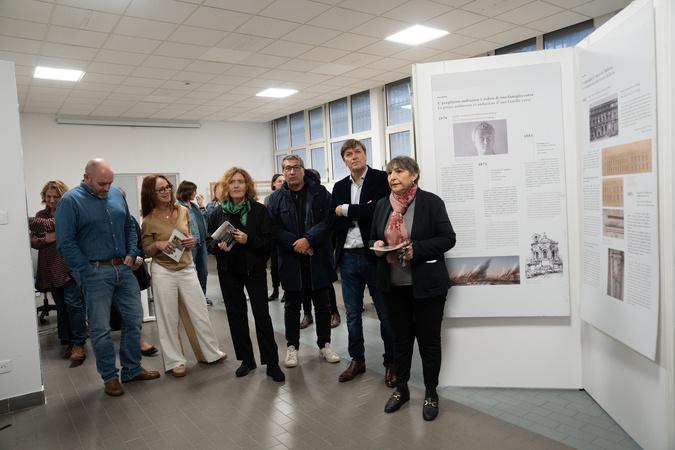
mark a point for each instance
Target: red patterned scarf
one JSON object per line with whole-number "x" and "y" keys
{"x": 396, "y": 232}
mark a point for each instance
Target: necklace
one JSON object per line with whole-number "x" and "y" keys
{"x": 163, "y": 215}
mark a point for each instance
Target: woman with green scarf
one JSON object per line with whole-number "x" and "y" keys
{"x": 243, "y": 264}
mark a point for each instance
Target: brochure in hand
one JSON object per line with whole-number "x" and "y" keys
{"x": 176, "y": 239}
{"x": 224, "y": 234}
{"x": 389, "y": 248}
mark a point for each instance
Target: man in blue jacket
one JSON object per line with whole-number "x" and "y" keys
{"x": 97, "y": 239}
{"x": 300, "y": 212}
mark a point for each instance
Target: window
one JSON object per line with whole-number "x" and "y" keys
{"x": 528, "y": 45}
{"x": 399, "y": 109}
{"x": 316, "y": 123}
{"x": 339, "y": 169}
{"x": 399, "y": 144}
{"x": 279, "y": 159}
{"x": 319, "y": 161}
{"x": 302, "y": 154}
{"x": 568, "y": 37}
{"x": 339, "y": 122}
{"x": 281, "y": 133}
{"x": 298, "y": 129}
{"x": 361, "y": 112}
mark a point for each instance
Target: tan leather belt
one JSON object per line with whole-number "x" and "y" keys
{"x": 108, "y": 262}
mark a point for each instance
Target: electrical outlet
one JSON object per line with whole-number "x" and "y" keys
{"x": 6, "y": 366}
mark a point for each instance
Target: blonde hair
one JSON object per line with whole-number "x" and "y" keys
{"x": 225, "y": 183}
{"x": 58, "y": 185}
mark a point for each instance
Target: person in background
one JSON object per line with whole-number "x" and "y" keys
{"x": 175, "y": 286}
{"x": 54, "y": 275}
{"x": 244, "y": 265}
{"x": 187, "y": 196}
{"x": 214, "y": 203}
{"x": 354, "y": 199}
{"x": 277, "y": 182}
{"x": 96, "y": 237}
{"x": 413, "y": 278}
{"x": 301, "y": 219}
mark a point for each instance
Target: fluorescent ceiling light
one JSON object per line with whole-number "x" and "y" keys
{"x": 415, "y": 35}
{"x": 52, "y": 73}
{"x": 276, "y": 93}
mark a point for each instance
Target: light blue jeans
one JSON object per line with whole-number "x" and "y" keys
{"x": 201, "y": 260}
{"x": 103, "y": 287}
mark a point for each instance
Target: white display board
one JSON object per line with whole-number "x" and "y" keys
{"x": 617, "y": 89}
{"x": 499, "y": 158}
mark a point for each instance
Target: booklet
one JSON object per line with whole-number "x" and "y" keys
{"x": 389, "y": 248}
{"x": 176, "y": 239}
{"x": 224, "y": 234}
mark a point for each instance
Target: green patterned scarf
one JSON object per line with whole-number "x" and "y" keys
{"x": 242, "y": 209}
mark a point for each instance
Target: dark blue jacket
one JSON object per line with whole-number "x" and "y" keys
{"x": 318, "y": 231}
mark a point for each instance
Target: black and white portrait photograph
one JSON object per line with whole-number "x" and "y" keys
{"x": 483, "y": 138}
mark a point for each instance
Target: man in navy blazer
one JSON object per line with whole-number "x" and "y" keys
{"x": 354, "y": 199}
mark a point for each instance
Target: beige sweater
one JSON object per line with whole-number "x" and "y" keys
{"x": 156, "y": 229}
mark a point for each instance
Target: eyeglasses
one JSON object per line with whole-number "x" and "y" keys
{"x": 292, "y": 168}
{"x": 164, "y": 189}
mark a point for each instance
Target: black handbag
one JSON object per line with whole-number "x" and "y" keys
{"x": 142, "y": 276}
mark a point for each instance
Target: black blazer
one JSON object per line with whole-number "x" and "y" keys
{"x": 375, "y": 186}
{"x": 432, "y": 235}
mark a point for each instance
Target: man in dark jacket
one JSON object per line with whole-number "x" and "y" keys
{"x": 354, "y": 200}
{"x": 300, "y": 212}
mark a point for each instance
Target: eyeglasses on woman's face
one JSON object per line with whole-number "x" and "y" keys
{"x": 163, "y": 189}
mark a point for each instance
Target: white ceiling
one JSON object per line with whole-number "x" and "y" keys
{"x": 206, "y": 59}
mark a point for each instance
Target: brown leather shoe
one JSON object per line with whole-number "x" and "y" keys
{"x": 144, "y": 376}
{"x": 67, "y": 351}
{"x": 335, "y": 320}
{"x": 78, "y": 353}
{"x": 113, "y": 388}
{"x": 390, "y": 376}
{"x": 306, "y": 321}
{"x": 354, "y": 368}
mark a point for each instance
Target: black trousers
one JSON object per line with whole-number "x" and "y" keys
{"x": 294, "y": 299}
{"x": 415, "y": 318}
{"x": 232, "y": 287}
{"x": 274, "y": 269}
{"x": 307, "y": 301}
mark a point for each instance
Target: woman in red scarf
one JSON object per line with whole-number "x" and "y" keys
{"x": 413, "y": 230}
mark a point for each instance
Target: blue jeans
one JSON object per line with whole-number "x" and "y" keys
{"x": 201, "y": 260}
{"x": 356, "y": 271}
{"x": 71, "y": 313}
{"x": 105, "y": 286}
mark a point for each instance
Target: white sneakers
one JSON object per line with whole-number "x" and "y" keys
{"x": 291, "y": 357}
{"x": 329, "y": 354}
{"x": 326, "y": 353}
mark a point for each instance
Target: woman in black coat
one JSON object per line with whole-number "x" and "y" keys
{"x": 413, "y": 276}
{"x": 242, "y": 262}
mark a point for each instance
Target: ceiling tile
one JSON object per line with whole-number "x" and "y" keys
{"x": 350, "y": 41}
{"x": 217, "y": 19}
{"x": 151, "y": 29}
{"x": 194, "y": 76}
{"x": 64, "y": 61}
{"x": 384, "y": 48}
{"x": 293, "y": 10}
{"x": 144, "y": 82}
{"x": 448, "y": 42}
{"x": 22, "y": 29}
{"x": 493, "y": 8}
{"x": 115, "y": 7}
{"x": 299, "y": 65}
{"x": 512, "y": 36}
{"x": 19, "y": 45}
{"x": 19, "y": 58}
{"x": 308, "y": 34}
{"x": 558, "y": 21}
{"x": 248, "y": 6}
{"x": 567, "y": 3}
{"x": 267, "y": 27}
{"x": 416, "y": 11}
{"x": 264, "y": 60}
{"x": 333, "y": 69}
{"x": 285, "y": 48}
{"x": 97, "y": 87}
{"x": 416, "y": 53}
{"x": 376, "y": 7}
{"x": 597, "y": 8}
{"x": 230, "y": 80}
{"x": 244, "y": 42}
{"x": 381, "y": 27}
{"x": 72, "y": 36}
{"x": 148, "y": 72}
{"x": 224, "y": 55}
{"x": 387, "y": 64}
{"x": 198, "y": 36}
{"x": 113, "y": 69}
{"x": 246, "y": 71}
{"x": 165, "y": 62}
{"x": 164, "y": 10}
{"x": 454, "y": 20}
{"x": 180, "y": 50}
{"x": 208, "y": 67}
{"x": 324, "y": 54}
{"x": 117, "y": 57}
{"x": 102, "y": 78}
{"x": 340, "y": 19}
{"x": 485, "y": 28}
{"x": 281, "y": 75}
{"x": 84, "y": 19}
{"x": 68, "y": 51}
{"x": 26, "y": 10}
{"x": 131, "y": 44}
{"x": 79, "y": 94}
{"x": 357, "y": 59}
{"x": 475, "y": 48}
{"x": 530, "y": 12}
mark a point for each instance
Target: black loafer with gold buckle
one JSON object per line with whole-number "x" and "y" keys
{"x": 397, "y": 399}
{"x": 430, "y": 408}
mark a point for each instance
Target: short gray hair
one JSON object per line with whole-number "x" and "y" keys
{"x": 293, "y": 158}
{"x": 405, "y": 163}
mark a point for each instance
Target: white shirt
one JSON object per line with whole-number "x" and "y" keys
{"x": 354, "y": 238}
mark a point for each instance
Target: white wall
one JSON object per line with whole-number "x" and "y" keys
{"x": 635, "y": 391}
{"x": 200, "y": 155}
{"x": 18, "y": 323}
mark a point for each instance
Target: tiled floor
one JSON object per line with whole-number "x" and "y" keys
{"x": 210, "y": 408}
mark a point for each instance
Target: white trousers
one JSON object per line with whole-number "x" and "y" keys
{"x": 179, "y": 299}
